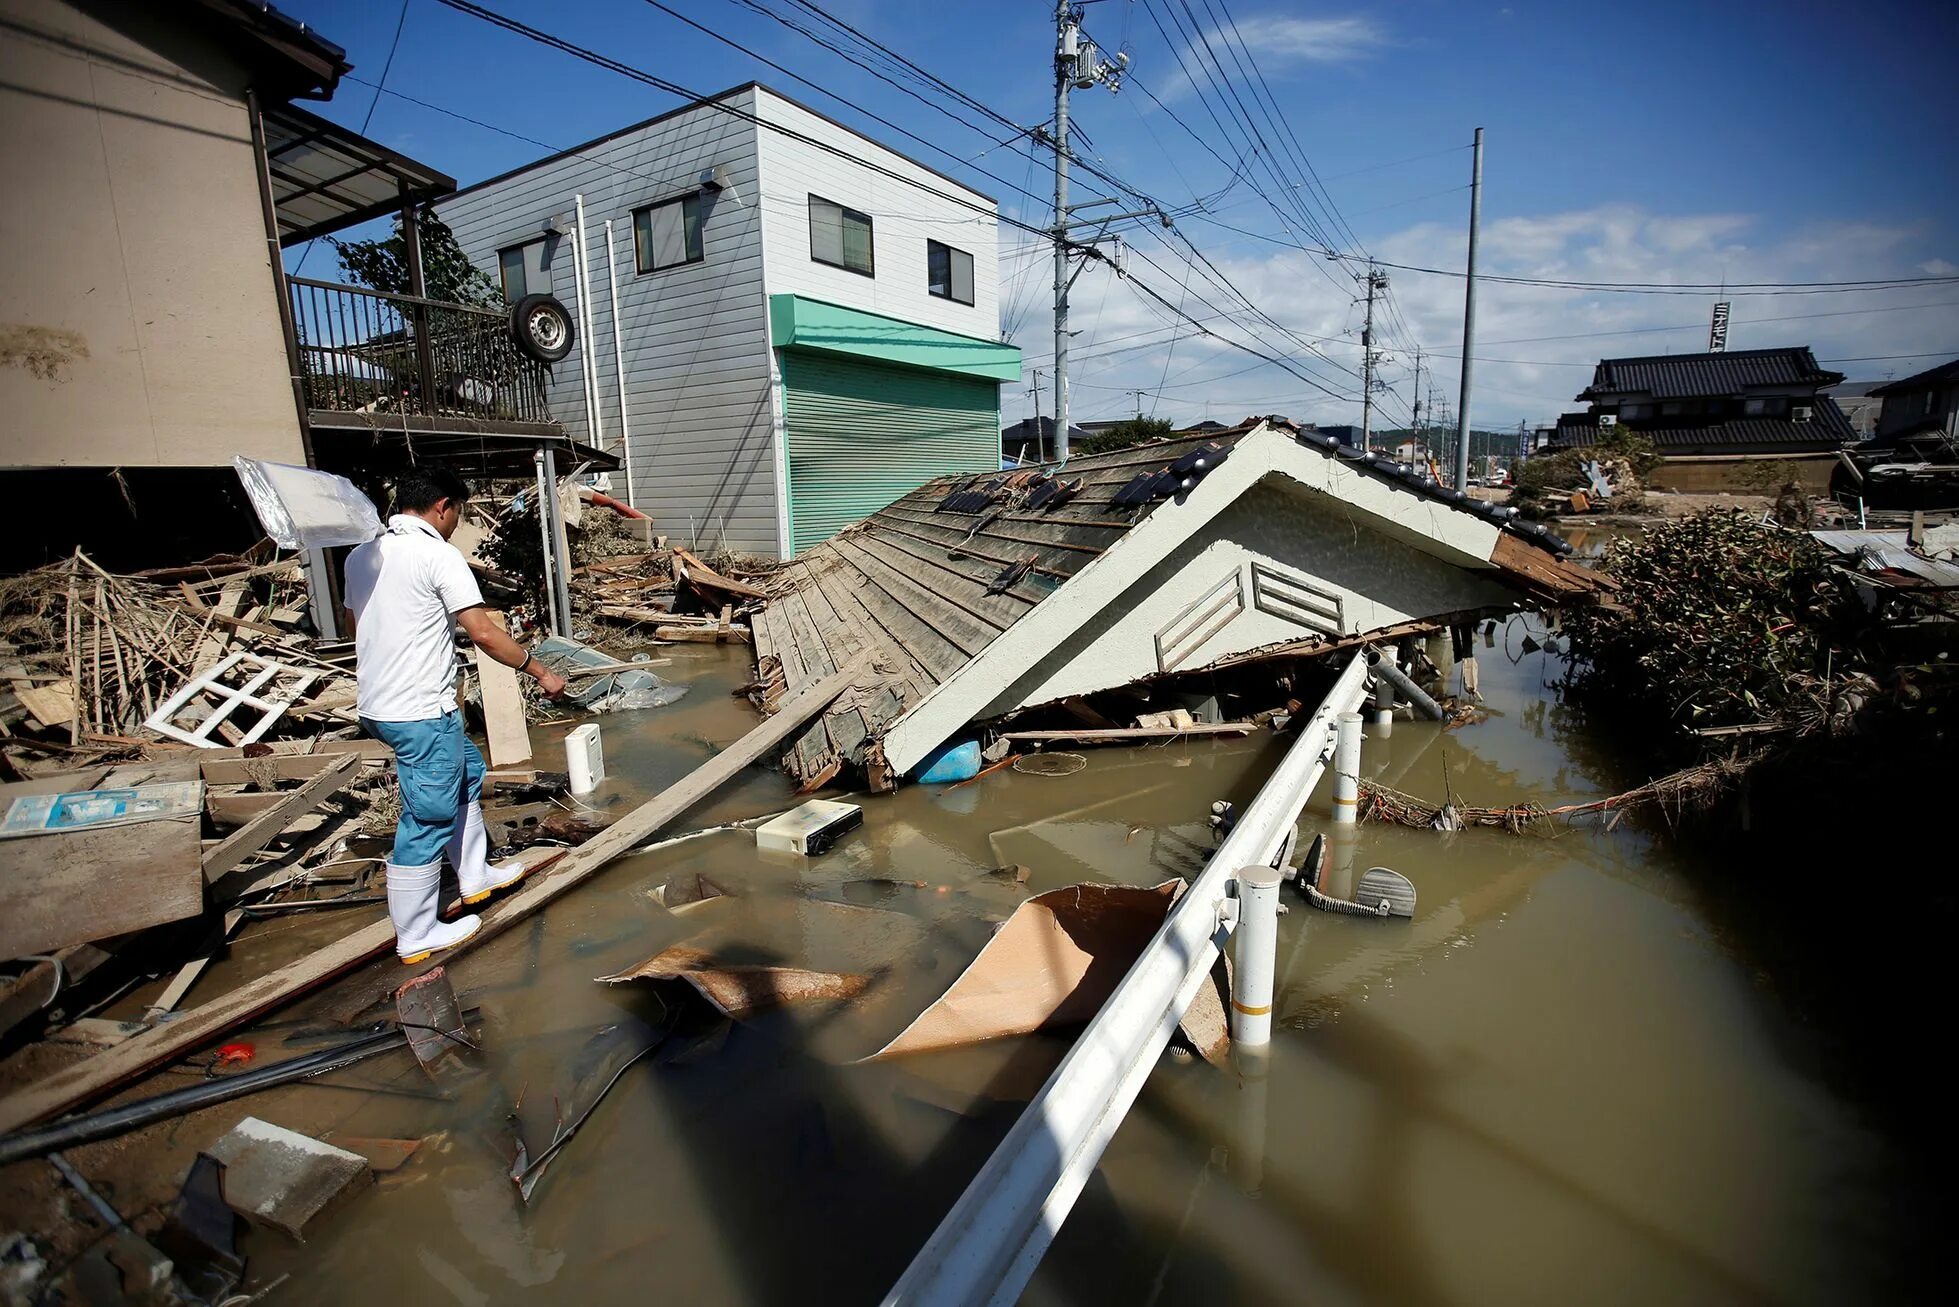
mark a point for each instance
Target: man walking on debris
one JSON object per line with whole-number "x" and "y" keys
{"x": 406, "y": 591}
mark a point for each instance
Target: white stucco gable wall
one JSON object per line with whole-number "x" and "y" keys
{"x": 1355, "y": 499}
{"x": 1245, "y": 580}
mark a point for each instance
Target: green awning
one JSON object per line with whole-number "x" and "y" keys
{"x": 832, "y": 329}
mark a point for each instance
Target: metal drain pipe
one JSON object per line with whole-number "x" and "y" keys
{"x": 988, "y": 1245}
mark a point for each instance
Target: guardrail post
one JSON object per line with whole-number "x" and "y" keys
{"x": 1346, "y": 769}
{"x": 1255, "y": 953}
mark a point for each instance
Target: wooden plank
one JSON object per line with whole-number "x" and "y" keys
{"x": 231, "y": 809}
{"x": 264, "y": 828}
{"x": 1125, "y": 734}
{"x": 962, "y": 629}
{"x": 34, "y": 989}
{"x": 830, "y": 736}
{"x": 900, "y": 627}
{"x": 89, "y": 1080}
{"x": 83, "y": 885}
{"x": 974, "y": 576}
{"x": 861, "y": 630}
{"x": 503, "y": 711}
{"x": 1055, "y": 561}
{"x": 283, "y": 766}
{"x": 52, "y": 705}
{"x": 701, "y": 634}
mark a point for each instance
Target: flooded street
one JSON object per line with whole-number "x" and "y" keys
{"x": 1560, "y": 1080}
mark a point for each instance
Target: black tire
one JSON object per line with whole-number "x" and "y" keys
{"x": 542, "y": 328}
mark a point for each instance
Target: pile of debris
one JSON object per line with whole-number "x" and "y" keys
{"x": 98, "y": 665}
{"x": 1579, "y": 482}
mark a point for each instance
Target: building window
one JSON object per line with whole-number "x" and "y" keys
{"x": 526, "y": 269}
{"x": 667, "y": 235}
{"x": 840, "y": 237}
{"x": 1764, "y": 406}
{"x": 1634, "y": 411}
{"x": 948, "y": 272}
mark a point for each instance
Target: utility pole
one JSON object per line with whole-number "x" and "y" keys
{"x": 1139, "y": 393}
{"x": 1420, "y": 437}
{"x": 1376, "y": 281}
{"x": 1469, "y": 316}
{"x": 1076, "y": 64}
{"x": 1040, "y": 441}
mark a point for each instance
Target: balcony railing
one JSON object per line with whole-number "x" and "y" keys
{"x": 391, "y": 356}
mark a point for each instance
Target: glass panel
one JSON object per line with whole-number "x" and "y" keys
{"x": 691, "y": 209}
{"x": 938, "y": 269}
{"x": 643, "y": 240}
{"x": 962, "y": 276}
{"x": 825, "y": 231}
{"x": 511, "y": 263}
{"x": 856, "y": 241}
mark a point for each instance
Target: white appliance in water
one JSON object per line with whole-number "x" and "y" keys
{"x": 585, "y": 758}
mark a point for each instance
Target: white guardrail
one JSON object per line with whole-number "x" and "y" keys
{"x": 988, "y": 1245}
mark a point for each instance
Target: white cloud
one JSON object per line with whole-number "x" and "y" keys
{"x": 1536, "y": 345}
{"x": 1278, "y": 39}
{"x": 1277, "y": 43}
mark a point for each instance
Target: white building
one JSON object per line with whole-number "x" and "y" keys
{"x": 808, "y": 322}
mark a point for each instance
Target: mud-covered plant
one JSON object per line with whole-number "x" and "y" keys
{"x": 1720, "y": 620}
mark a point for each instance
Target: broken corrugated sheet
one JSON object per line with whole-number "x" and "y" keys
{"x": 930, "y": 582}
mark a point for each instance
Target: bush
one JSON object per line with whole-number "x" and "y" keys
{"x": 1718, "y": 620}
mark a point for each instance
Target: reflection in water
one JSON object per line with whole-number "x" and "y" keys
{"x": 1556, "y": 1083}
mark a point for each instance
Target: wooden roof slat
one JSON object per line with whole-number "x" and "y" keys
{"x": 859, "y": 623}
{"x": 954, "y": 626}
{"x": 999, "y": 555}
{"x": 939, "y": 656}
{"x": 843, "y": 722}
{"x": 980, "y": 572}
{"x": 949, "y": 584}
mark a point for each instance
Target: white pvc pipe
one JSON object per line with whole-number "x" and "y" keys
{"x": 988, "y": 1245}
{"x": 619, "y": 362}
{"x": 582, "y": 278}
{"x": 544, "y": 536}
{"x": 1396, "y": 679}
{"x": 1383, "y": 698}
{"x": 1346, "y": 769}
{"x": 1254, "y": 954}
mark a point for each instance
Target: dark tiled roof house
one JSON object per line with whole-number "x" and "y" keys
{"x": 1701, "y": 411}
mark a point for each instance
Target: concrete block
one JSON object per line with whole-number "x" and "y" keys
{"x": 281, "y": 1178}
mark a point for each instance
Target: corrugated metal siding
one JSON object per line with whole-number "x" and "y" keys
{"x": 862, "y": 435}
{"x": 696, "y": 337}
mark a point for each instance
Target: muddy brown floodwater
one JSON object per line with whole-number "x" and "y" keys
{"x": 1562, "y": 1081}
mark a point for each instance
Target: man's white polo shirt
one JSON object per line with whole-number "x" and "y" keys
{"x": 405, "y": 587}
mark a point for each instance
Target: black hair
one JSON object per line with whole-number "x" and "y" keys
{"x": 421, "y": 488}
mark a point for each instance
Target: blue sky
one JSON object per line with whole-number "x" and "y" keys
{"x": 1661, "y": 142}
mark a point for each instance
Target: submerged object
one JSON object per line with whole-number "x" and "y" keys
{"x": 1380, "y": 892}
{"x": 951, "y": 762}
{"x": 810, "y": 829}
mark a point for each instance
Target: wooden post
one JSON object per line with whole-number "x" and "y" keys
{"x": 503, "y": 710}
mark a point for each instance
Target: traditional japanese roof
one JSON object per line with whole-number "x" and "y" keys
{"x": 1945, "y": 374}
{"x": 933, "y": 585}
{"x": 1687, "y": 376}
{"x": 1827, "y": 429}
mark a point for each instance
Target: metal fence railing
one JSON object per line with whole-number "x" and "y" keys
{"x": 369, "y": 351}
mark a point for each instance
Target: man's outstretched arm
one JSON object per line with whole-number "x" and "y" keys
{"x": 487, "y": 634}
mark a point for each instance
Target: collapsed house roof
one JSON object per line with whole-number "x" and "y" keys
{"x": 981, "y": 595}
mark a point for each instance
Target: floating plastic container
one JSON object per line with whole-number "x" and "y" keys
{"x": 950, "y": 762}
{"x": 810, "y": 829}
{"x": 585, "y": 758}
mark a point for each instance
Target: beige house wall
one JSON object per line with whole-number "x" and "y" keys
{"x": 139, "y": 323}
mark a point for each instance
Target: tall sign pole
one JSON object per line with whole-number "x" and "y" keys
{"x": 1469, "y": 317}
{"x": 1717, "y": 330}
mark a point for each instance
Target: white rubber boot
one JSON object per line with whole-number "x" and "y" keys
{"x": 413, "y": 903}
{"x": 469, "y": 854}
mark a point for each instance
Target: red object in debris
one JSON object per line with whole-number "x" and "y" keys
{"x": 234, "y": 1055}
{"x": 618, "y": 506}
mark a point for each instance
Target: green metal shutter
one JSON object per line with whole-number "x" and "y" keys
{"x": 864, "y": 434}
